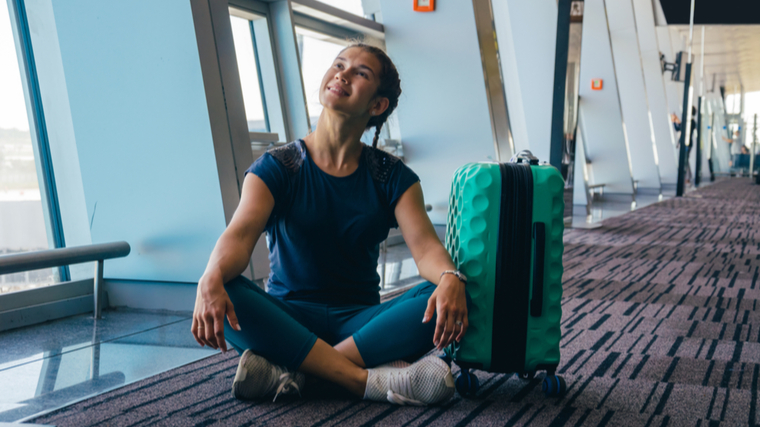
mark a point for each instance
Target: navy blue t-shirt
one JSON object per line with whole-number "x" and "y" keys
{"x": 325, "y": 231}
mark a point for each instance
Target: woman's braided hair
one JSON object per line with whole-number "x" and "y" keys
{"x": 390, "y": 86}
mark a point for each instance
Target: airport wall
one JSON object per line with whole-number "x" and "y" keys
{"x": 443, "y": 112}
{"x": 526, "y": 32}
{"x": 600, "y": 117}
{"x": 130, "y": 132}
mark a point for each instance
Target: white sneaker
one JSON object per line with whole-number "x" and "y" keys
{"x": 394, "y": 364}
{"x": 427, "y": 381}
{"x": 256, "y": 377}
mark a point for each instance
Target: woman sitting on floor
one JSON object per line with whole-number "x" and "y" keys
{"x": 327, "y": 202}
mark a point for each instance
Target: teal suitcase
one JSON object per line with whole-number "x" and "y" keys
{"x": 504, "y": 232}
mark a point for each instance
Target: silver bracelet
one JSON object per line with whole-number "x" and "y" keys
{"x": 458, "y": 274}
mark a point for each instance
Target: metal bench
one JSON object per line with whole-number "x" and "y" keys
{"x": 592, "y": 189}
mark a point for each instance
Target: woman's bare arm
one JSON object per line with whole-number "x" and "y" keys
{"x": 233, "y": 250}
{"x": 449, "y": 299}
{"x": 228, "y": 260}
{"x": 419, "y": 234}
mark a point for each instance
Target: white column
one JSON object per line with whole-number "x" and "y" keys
{"x": 632, "y": 92}
{"x": 526, "y": 32}
{"x": 706, "y": 143}
{"x": 599, "y": 110}
{"x": 721, "y": 150}
{"x": 655, "y": 87}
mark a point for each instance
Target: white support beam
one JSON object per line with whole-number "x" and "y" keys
{"x": 633, "y": 95}
{"x": 599, "y": 110}
{"x": 288, "y": 67}
{"x": 655, "y": 90}
{"x": 526, "y": 32}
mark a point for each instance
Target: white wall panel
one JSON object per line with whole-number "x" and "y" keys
{"x": 655, "y": 90}
{"x": 526, "y": 32}
{"x": 443, "y": 112}
{"x": 600, "y": 109}
{"x": 721, "y": 150}
{"x": 633, "y": 94}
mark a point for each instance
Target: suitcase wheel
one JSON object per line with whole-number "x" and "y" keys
{"x": 467, "y": 383}
{"x": 553, "y": 386}
{"x": 527, "y": 376}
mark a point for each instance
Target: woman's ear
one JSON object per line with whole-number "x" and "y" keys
{"x": 378, "y": 106}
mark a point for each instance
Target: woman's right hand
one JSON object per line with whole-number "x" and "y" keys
{"x": 211, "y": 305}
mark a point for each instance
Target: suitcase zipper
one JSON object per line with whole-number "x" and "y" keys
{"x": 512, "y": 285}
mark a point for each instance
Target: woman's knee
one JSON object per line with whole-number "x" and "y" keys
{"x": 240, "y": 287}
{"x": 424, "y": 288}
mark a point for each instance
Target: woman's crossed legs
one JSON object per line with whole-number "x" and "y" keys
{"x": 301, "y": 335}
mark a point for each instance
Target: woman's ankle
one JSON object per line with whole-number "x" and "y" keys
{"x": 361, "y": 383}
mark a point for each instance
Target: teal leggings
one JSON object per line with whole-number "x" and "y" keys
{"x": 284, "y": 331}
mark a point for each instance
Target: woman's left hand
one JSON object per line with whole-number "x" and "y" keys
{"x": 450, "y": 302}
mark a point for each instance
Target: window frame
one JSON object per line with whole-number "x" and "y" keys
{"x": 245, "y": 14}
{"x": 271, "y": 84}
{"x": 334, "y": 23}
{"x": 329, "y": 20}
{"x": 38, "y": 130}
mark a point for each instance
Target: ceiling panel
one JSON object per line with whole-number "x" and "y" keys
{"x": 732, "y": 54}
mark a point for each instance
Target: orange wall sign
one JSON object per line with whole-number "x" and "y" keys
{"x": 596, "y": 84}
{"x": 424, "y": 5}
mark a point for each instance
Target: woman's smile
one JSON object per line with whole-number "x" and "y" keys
{"x": 336, "y": 89}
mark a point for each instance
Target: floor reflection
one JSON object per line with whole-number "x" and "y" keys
{"x": 66, "y": 371}
{"x": 605, "y": 209}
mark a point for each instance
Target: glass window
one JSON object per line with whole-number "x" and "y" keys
{"x": 350, "y": 6}
{"x": 22, "y": 223}
{"x": 242, "y": 34}
{"x": 317, "y": 54}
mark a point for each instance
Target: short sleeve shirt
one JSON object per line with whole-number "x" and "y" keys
{"x": 324, "y": 231}
{"x": 736, "y": 146}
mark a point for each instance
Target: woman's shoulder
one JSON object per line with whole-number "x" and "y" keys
{"x": 381, "y": 163}
{"x": 289, "y": 156}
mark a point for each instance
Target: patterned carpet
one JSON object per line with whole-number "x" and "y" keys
{"x": 660, "y": 328}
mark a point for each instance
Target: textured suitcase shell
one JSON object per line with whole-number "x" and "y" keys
{"x": 472, "y": 240}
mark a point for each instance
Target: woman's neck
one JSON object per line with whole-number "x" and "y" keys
{"x": 335, "y": 145}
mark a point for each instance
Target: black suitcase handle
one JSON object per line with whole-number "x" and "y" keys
{"x": 539, "y": 236}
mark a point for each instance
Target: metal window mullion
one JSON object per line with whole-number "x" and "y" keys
{"x": 252, "y": 6}
{"x": 258, "y": 73}
{"x": 339, "y": 34}
{"x": 288, "y": 70}
{"x": 49, "y": 190}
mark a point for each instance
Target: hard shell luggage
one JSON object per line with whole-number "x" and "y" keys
{"x": 504, "y": 232}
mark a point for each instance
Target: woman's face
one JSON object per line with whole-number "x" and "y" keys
{"x": 350, "y": 84}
